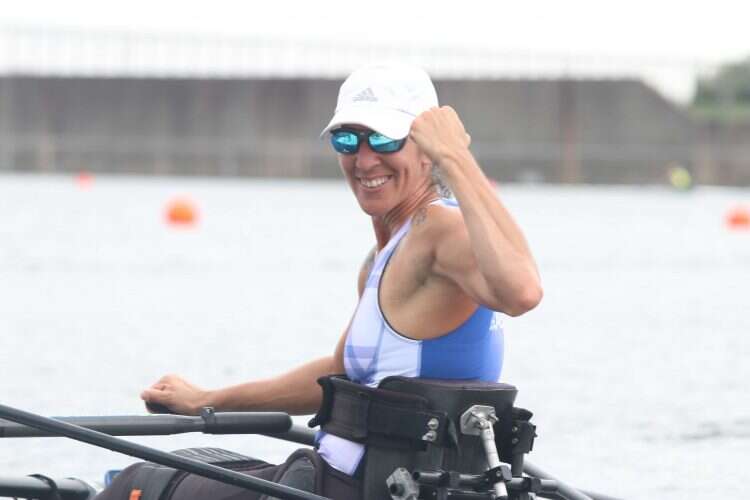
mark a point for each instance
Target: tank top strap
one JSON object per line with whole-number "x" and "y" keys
{"x": 383, "y": 255}
{"x": 446, "y": 202}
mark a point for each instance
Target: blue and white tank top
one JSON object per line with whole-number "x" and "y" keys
{"x": 374, "y": 351}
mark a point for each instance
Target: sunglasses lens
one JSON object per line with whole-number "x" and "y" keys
{"x": 382, "y": 144}
{"x": 345, "y": 142}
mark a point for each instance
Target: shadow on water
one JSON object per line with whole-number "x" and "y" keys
{"x": 736, "y": 429}
{"x": 727, "y": 430}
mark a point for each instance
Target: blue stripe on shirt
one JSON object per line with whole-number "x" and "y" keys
{"x": 474, "y": 350}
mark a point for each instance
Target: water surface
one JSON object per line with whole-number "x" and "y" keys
{"x": 634, "y": 364}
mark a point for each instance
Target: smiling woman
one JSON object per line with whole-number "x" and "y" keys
{"x": 440, "y": 274}
{"x": 370, "y": 128}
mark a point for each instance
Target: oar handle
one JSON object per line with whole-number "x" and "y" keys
{"x": 244, "y": 422}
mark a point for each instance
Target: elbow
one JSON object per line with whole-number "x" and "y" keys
{"x": 525, "y": 300}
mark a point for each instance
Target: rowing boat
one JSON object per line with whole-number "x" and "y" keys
{"x": 103, "y": 432}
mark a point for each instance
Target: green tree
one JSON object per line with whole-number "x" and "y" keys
{"x": 726, "y": 95}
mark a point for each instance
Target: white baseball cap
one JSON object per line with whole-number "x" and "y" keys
{"x": 385, "y": 98}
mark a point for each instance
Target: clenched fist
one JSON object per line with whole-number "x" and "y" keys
{"x": 440, "y": 133}
{"x": 177, "y": 394}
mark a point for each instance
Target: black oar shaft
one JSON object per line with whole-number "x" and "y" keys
{"x": 114, "y": 426}
{"x": 135, "y": 450}
{"x": 160, "y": 425}
{"x": 296, "y": 434}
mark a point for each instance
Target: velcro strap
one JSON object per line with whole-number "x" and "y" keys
{"x": 392, "y": 420}
{"x": 379, "y": 416}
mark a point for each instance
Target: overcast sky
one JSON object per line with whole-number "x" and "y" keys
{"x": 684, "y": 35}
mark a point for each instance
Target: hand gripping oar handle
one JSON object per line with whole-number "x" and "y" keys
{"x": 208, "y": 422}
{"x": 101, "y": 440}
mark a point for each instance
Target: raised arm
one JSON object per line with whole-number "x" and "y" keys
{"x": 484, "y": 251}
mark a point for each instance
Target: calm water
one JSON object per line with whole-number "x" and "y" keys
{"x": 635, "y": 364}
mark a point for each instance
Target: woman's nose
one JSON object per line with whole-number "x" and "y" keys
{"x": 366, "y": 157}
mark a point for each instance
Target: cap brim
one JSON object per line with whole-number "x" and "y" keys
{"x": 389, "y": 122}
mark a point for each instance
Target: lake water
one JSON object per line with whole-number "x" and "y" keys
{"x": 635, "y": 364}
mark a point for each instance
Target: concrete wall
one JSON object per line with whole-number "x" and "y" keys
{"x": 556, "y": 130}
{"x": 572, "y": 131}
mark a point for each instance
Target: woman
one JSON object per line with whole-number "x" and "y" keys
{"x": 428, "y": 290}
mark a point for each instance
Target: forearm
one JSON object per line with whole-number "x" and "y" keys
{"x": 295, "y": 392}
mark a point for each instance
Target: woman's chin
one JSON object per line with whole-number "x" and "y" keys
{"x": 372, "y": 208}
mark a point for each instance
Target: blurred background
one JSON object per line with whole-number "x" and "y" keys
{"x": 166, "y": 205}
{"x": 567, "y": 94}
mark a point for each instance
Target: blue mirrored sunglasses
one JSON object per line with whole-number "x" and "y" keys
{"x": 346, "y": 141}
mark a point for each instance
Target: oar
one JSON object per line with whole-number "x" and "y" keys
{"x": 208, "y": 422}
{"x": 101, "y": 440}
{"x": 36, "y": 487}
{"x": 170, "y": 424}
{"x": 567, "y": 491}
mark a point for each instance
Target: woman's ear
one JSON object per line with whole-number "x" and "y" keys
{"x": 425, "y": 161}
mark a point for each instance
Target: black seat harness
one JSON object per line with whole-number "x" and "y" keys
{"x": 415, "y": 423}
{"x": 380, "y": 417}
{"x": 400, "y": 420}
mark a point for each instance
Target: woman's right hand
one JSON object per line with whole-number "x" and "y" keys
{"x": 177, "y": 394}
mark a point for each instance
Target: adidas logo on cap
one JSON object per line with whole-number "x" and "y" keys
{"x": 365, "y": 95}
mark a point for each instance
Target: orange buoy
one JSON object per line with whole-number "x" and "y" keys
{"x": 181, "y": 212}
{"x": 738, "y": 218}
{"x": 84, "y": 179}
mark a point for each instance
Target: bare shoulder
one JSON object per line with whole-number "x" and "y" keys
{"x": 435, "y": 223}
{"x": 442, "y": 234}
{"x": 436, "y": 236}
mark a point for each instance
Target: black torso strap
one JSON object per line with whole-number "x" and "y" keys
{"x": 379, "y": 416}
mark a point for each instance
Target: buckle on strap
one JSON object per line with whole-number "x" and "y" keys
{"x": 379, "y": 416}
